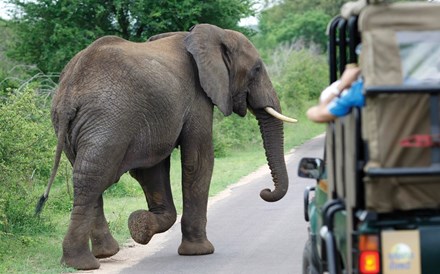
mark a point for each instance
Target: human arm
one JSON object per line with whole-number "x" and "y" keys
{"x": 320, "y": 113}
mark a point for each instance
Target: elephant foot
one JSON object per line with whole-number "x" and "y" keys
{"x": 203, "y": 247}
{"x": 104, "y": 246}
{"x": 82, "y": 261}
{"x": 142, "y": 225}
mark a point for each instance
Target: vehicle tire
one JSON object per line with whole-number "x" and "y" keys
{"x": 307, "y": 265}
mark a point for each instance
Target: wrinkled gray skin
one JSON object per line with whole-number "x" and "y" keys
{"x": 124, "y": 106}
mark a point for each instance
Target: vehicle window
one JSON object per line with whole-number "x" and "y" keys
{"x": 420, "y": 56}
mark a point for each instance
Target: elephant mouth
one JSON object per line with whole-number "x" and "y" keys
{"x": 241, "y": 111}
{"x": 240, "y": 104}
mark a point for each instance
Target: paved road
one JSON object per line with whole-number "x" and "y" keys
{"x": 249, "y": 234}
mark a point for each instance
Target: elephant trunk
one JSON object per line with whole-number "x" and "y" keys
{"x": 273, "y": 140}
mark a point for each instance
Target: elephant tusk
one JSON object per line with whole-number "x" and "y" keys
{"x": 280, "y": 116}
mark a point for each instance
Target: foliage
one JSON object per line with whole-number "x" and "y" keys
{"x": 15, "y": 75}
{"x": 295, "y": 20}
{"x": 309, "y": 26}
{"x": 281, "y": 8}
{"x": 26, "y": 146}
{"x": 307, "y": 76}
{"x": 6, "y": 64}
{"x": 49, "y": 33}
{"x": 233, "y": 132}
{"x": 26, "y": 152}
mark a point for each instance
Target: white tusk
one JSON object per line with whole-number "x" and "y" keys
{"x": 280, "y": 116}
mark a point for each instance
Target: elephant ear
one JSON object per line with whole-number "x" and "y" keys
{"x": 165, "y": 35}
{"x": 205, "y": 43}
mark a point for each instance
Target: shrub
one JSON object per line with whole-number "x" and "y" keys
{"x": 299, "y": 74}
{"x": 234, "y": 132}
{"x": 26, "y": 152}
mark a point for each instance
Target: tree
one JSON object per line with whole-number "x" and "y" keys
{"x": 329, "y": 7}
{"x": 49, "y": 33}
{"x": 309, "y": 26}
{"x": 297, "y": 19}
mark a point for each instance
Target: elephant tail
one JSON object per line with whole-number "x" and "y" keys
{"x": 61, "y": 137}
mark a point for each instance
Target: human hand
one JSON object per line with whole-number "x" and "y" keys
{"x": 350, "y": 74}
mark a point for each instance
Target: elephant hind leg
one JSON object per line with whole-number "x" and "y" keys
{"x": 155, "y": 182}
{"x": 90, "y": 179}
{"x": 76, "y": 251}
{"x": 103, "y": 243}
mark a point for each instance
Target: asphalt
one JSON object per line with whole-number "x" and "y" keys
{"x": 249, "y": 234}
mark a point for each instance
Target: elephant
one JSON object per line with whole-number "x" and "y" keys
{"x": 124, "y": 106}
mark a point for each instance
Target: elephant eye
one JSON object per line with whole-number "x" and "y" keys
{"x": 255, "y": 71}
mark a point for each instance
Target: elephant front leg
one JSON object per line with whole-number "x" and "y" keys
{"x": 103, "y": 243}
{"x": 162, "y": 213}
{"x": 197, "y": 166}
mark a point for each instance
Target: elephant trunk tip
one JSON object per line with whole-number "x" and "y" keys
{"x": 272, "y": 196}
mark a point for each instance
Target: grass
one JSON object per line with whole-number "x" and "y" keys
{"x": 41, "y": 253}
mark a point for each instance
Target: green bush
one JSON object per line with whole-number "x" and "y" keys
{"x": 20, "y": 208}
{"x": 234, "y": 132}
{"x": 26, "y": 152}
{"x": 307, "y": 26}
{"x": 28, "y": 141}
{"x": 299, "y": 75}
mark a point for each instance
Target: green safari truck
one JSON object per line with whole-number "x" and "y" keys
{"x": 375, "y": 204}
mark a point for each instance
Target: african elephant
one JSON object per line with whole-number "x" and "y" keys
{"x": 124, "y": 106}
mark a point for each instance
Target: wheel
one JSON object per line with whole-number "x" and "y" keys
{"x": 308, "y": 266}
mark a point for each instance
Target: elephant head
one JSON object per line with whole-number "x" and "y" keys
{"x": 234, "y": 77}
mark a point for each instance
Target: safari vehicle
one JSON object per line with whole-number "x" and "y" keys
{"x": 376, "y": 205}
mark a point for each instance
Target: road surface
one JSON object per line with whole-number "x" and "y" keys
{"x": 249, "y": 234}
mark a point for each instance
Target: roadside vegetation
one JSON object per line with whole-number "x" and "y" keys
{"x": 290, "y": 37}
